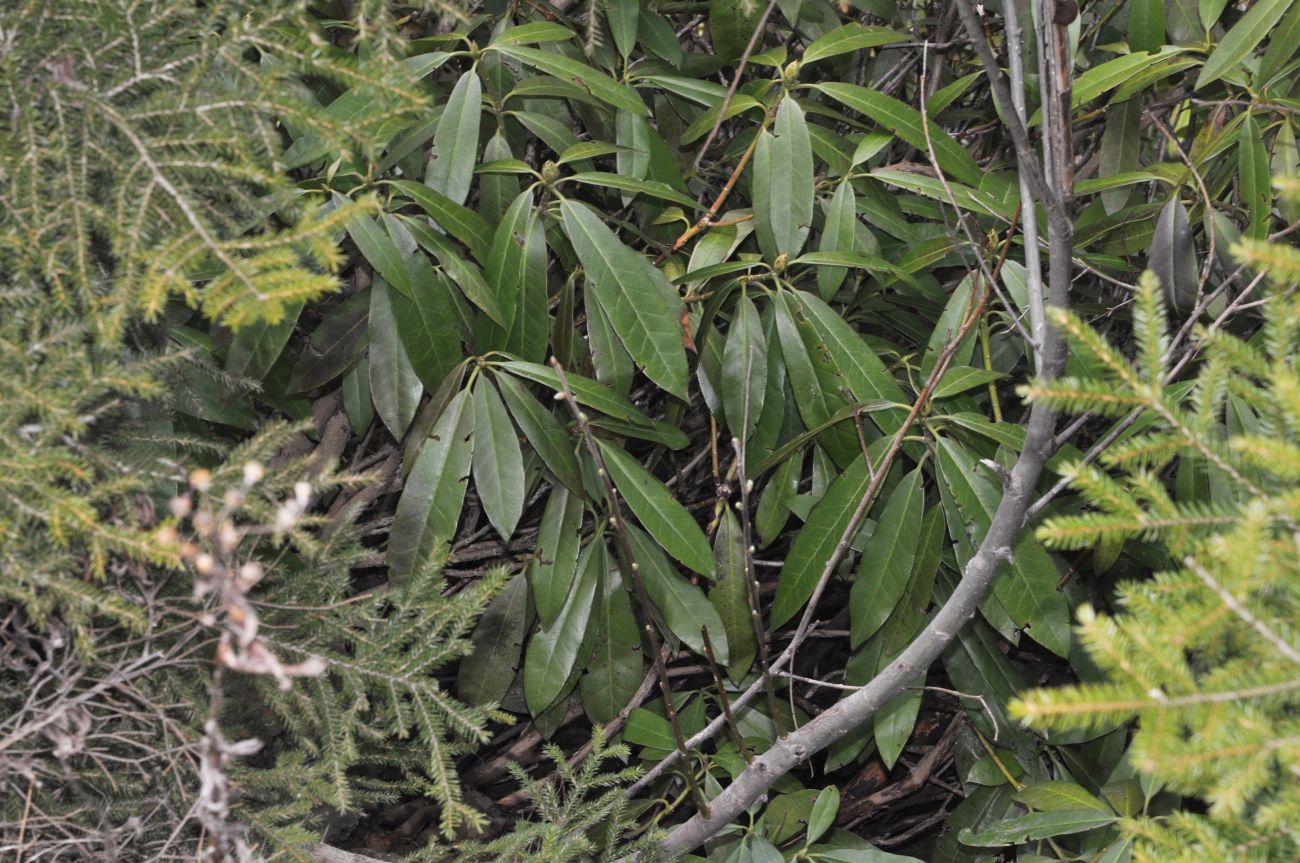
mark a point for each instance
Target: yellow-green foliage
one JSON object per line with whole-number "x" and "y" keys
{"x": 1206, "y": 655}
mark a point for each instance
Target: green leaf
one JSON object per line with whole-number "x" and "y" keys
{"x": 862, "y": 370}
{"x": 1282, "y": 45}
{"x": 861, "y": 855}
{"x": 464, "y": 274}
{"x": 1057, "y": 795}
{"x": 887, "y": 558}
{"x": 615, "y": 669}
{"x": 609, "y": 359}
{"x": 426, "y": 323}
{"x": 1034, "y": 826}
{"x": 1253, "y": 173}
{"x": 256, "y": 347}
{"x": 894, "y": 722}
{"x": 1146, "y": 25}
{"x": 1105, "y": 77}
{"x": 486, "y": 673}
{"x": 1028, "y": 586}
{"x": 558, "y": 538}
{"x": 783, "y": 183}
{"x": 744, "y": 370}
{"x": 1244, "y": 36}
{"x": 730, "y": 26}
{"x": 592, "y": 80}
{"x": 461, "y": 222}
{"x": 947, "y": 191}
{"x": 498, "y": 462}
{"x": 654, "y": 188}
{"x": 824, "y": 810}
{"x": 554, "y": 651}
{"x": 1172, "y": 256}
{"x": 544, "y": 432}
{"x": 429, "y": 507}
{"x": 654, "y": 506}
{"x": 905, "y": 122}
{"x": 633, "y": 295}
{"x": 334, "y": 344}
{"x": 774, "y": 506}
{"x": 684, "y": 607}
{"x": 960, "y": 379}
{"x": 839, "y": 235}
{"x": 495, "y": 189}
{"x": 357, "y": 400}
{"x": 511, "y": 271}
{"x": 658, "y": 37}
{"x": 533, "y": 33}
{"x": 381, "y": 252}
{"x": 849, "y": 37}
{"x": 621, "y": 16}
{"x": 587, "y": 392}
{"x": 816, "y": 541}
{"x": 650, "y": 730}
{"x": 394, "y": 384}
{"x": 455, "y": 144}
{"x": 730, "y": 594}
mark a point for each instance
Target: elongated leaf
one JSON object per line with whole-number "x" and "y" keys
{"x": 621, "y": 16}
{"x": 960, "y": 379}
{"x": 455, "y": 144}
{"x": 1057, "y": 795}
{"x": 633, "y": 185}
{"x": 1037, "y": 825}
{"x": 849, "y": 37}
{"x": 592, "y": 80}
{"x": 464, "y": 274}
{"x": 1027, "y": 587}
{"x": 256, "y": 347}
{"x": 394, "y": 384}
{"x": 837, "y": 236}
{"x": 1172, "y": 256}
{"x": 730, "y": 595}
{"x": 654, "y": 506}
{"x": 334, "y": 344}
{"x": 905, "y": 122}
{"x": 498, "y": 640}
{"x": 1121, "y": 141}
{"x": 589, "y": 393}
{"x": 429, "y": 507}
{"x": 683, "y": 606}
{"x": 730, "y": 26}
{"x": 823, "y": 813}
{"x": 461, "y": 222}
{"x": 887, "y": 559}
{"x": 381, "y": 252}
{"x": 783, "y": 183}
{"x": 357, "y": 400}
{"x": 498, "y": 462}
{"x": 744, "y": 370}
{"x": 1146, "y": 24}
{"x": 816, "y": 541}
{"x": 532, "y": 33}
{"x": 496, "y": 190}
{"x": 632, "y": 293}
{"x": 554, "y": 651}
{"x": 615, "y": 669}
{"x": 553, "y": 571}
{"x": 1253, "y": 173}
{"x": 426, "y": 323}
{"x": 544, "y": 432}
{"x": 894, "y": 722}
{"x": 861, "y": 369}
{"x": 1244, "y": 36}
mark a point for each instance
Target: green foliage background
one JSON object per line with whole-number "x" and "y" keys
{"x": 343, "y": 243}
